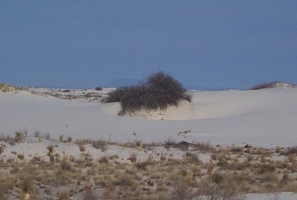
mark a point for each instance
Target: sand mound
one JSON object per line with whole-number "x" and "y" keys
{"x": 184, "y": 111}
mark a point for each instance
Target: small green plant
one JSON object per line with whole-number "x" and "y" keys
{"x": 217, "y": 178}
{"x": 25, "y": 185}
{"x": 18, "y": 136}
{"x": 61, "y": 137}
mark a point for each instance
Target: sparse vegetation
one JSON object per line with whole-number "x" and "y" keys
{"x": 222, "y": 173}
{"x": 81, "y": 148}
{"x": 98, "y": 88}
{"x": 20, "y": 136}
{"x": 69, "y": 139}
{"x": 159, "y": 92}
{"x": 61, "y": 137}
{"x": 268, "y": 85}
{"x": 65, "y": 165}
{"x": 6, "y": 88}
{"x": 1, "y": 149}
{"x": 100, "y": 144}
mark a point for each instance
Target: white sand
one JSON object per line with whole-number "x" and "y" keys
{"x": 262, "y": 118}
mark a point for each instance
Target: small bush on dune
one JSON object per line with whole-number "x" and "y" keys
{"x": 4, "y": 87}
{"x": 264, "y": 85}
{"x": 273, "y": 84}
{"x": 159, "y": 92}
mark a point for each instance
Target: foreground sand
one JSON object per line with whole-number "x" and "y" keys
{"x": 97, "y": 169}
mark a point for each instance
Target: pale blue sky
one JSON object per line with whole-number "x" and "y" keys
{"x": 203, "y": 44}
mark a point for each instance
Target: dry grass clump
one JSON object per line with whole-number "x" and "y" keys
{"x": 20, "y": 156}
{"x": 290, "y": 151}
{"x": 133, "y": 158}
{"x": 63, "y": 195}
{"x": 6, "y": 88}
{"x": 100, "y": 144}
{"x": 1, "y": 149}
{"x": 20, "y": 136}
{"x": 81, "y": 148}
{"x": 7, "y": 183}
{"x": 40, "y": 135}
{"x": 65, "y": 165}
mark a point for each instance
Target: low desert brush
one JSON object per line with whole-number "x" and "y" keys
{"x": 100, "y": 144}
{"x": 1, "y": 149}
{"x": 63, "y": 195}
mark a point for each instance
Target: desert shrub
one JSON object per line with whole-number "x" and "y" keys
{"x": 47, "y": 135}
{"x": 65, "y": 165}
{"x": 25, "y": 185}
{"x": 61, "y": 137}
{"x": 290, "y": 151}
{"x": 98, "y": 88}
{"x": 21, "y": 156}
{"x": 159, "y": 92}
{"x": 63, "y": 195}
{"x": 1, "y": 149}
{"x": 100, "y": 144}
{"x": 133, "y": 158}
{"x": 19, "y": 136}
{"x": 69, "y": 139}
{"x": 191, "y": 157}
{"x": 202, "y": 146}
{"x": 217, "y": 178}
{"x": 4, "y": 87}
{"x": 123, "y": 180}
{"x": 115, "y": 96}
{"x": 170, "y": 89}
{"x": 50, "y": 149}
{"x": 169, "y": 142}
{"x": 37, "y": 134}
{"x": 7, "y": 183}
{"x": 82, "y": 148}
{"x": 264, "y": 85}
{"x": 181, "y": 190}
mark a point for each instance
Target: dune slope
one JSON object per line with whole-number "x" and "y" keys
{"x": 262, "y": 118}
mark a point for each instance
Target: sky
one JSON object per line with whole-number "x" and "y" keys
{"x": 203, "y": 44}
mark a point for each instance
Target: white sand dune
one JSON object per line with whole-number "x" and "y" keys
{"x": 263, "y": 118}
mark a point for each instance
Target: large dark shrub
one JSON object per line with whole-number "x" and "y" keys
{"x": 115, "y": 95}
{"x": 160, "y": 91}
